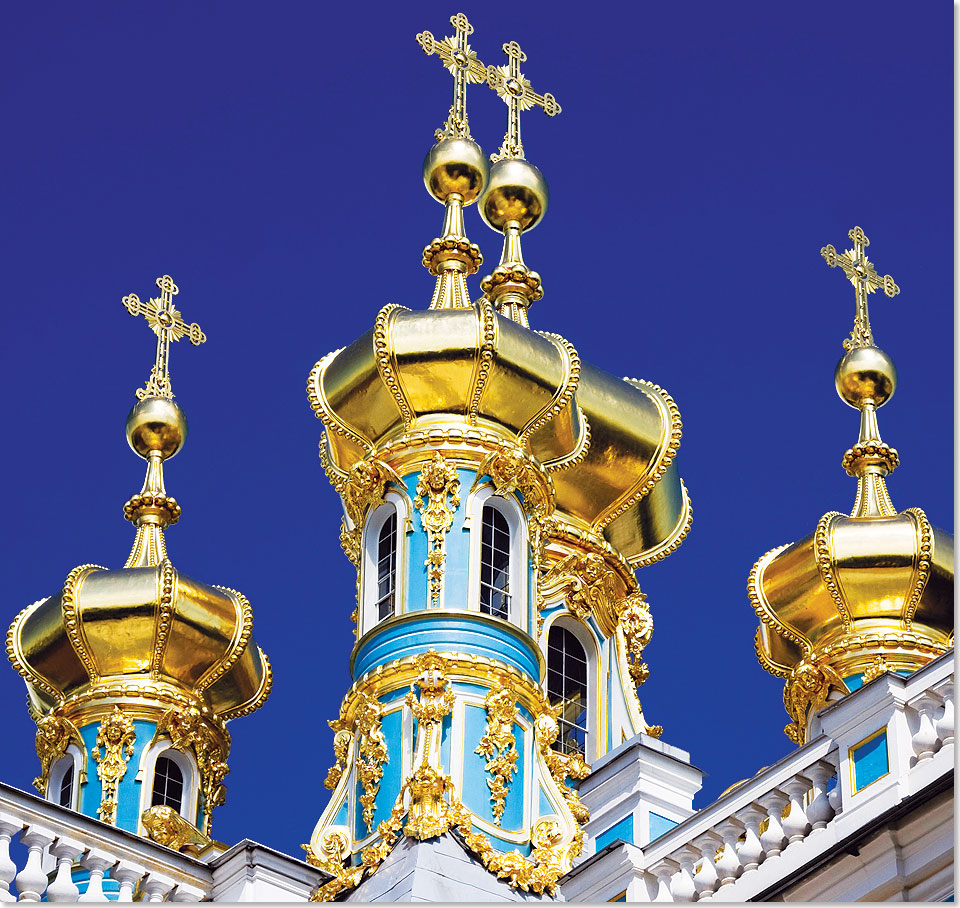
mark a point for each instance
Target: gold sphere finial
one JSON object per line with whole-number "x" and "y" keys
{"x": 516, "y": 192}
{"x": 865, "y": 374}
{"x": 156, "y": 424}
{"x": 455, "y": 165}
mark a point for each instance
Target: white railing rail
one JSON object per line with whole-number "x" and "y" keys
{"x": 68, "y": 837}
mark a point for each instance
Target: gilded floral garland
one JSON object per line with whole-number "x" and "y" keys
{"x": 371, "y": 755}
{"x": 112, "y": 751}
{"x": 438, "y": 497}
{"x": 499, "y": 746}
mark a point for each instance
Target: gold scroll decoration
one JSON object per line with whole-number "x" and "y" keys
{"x": 372, "y": 754}
{"x": 633, "y": 617}
{"x": 164, "y": 825}
{"x": 585, "y": 582}
{"x": 499, "y": 746}
{"x": 54, "y": 736}
{"x": 112, "y": 751}
{"x": 438, "y": 497}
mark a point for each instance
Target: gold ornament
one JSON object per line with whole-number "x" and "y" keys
{"x": 859, "y": 269}
{"x": 54, "y": 735}
{"x": 562, "y": 766}
{"x": 499, "y": 746}
{"x": 168, "y": 325}
{"x": 342, "y": 740}
{"x": 116, "y": 737}
{"x": 806, "y": 691}
{"x": 438, "y": 482}
{"x": 164, "y": 825}
{"x": 515, "y": 91}
{"x": 462, "y": 62}
{"x": 371, "y": 756}
{"x": 633, "y": 615}
{"x": 585, "y": 582}
{"x": 510, "y": 470}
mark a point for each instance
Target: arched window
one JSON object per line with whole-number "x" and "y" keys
{"x": 387, "y": 568}
{"x": 494, "y": 563}
{"x": 167, "y": 784}
{"x": 65, "y": 798}
{"x": 567, "y": 688}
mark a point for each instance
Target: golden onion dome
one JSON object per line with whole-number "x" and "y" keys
{"x": 146, "y": 632}
{"x": 608, "y": 444}
{"x": 864, "y": 593}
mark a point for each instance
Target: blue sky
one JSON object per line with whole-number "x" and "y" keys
{"x": 268, "y": 157}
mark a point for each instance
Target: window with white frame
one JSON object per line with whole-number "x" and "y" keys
{"x": 167, "y": 784}
{"x": 494, "y": 563}
{"x": 65, "y": 795}
{"x": 64, "y": 779}
{"x": 567, "y": 688}
{"x": 385, "y": 604}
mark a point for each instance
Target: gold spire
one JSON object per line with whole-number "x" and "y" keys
{"x": 866, "y": 379}
{"x": 454, "y": 171}
{"x": 168, "y": 325}
{"x": 156, "y": 427}
{"x": 516, "y": 196}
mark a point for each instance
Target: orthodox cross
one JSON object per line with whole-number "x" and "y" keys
{"x": 167, "y": 324}
{"x": 465, "y": 68}
{"x": 509, "y": 83}
{"x": 865, "y": 280}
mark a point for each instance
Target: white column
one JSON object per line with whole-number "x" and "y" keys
{"x": 924, "y": 740}
{"x": 795, "y": 825}
{"x": 772, "y": 838}
{"x": 663, "y": 870}
{"x": 728, "y": 866}
{"x": 751, "y": 851}
{"x": 32, "y": 881}
{"x": 156, "y": 886}
{"x": 820, "y": 812}
{"x": 944, "y": 725}
{"x": 705, "y": 878}
{"x": 682, "y": 887}
{"x": 9, "y": 827}
{"x": 97, "y": 862}
{"x": 63, "y": 888}
{"x": 126, "y": 873}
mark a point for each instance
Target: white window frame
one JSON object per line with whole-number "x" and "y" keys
{"x": 72, "y": 757}
{"x": 519, "y": 569}
{"x": 191, "y": 779}
{"x": 592, "y": 650}
{"x": 367, "y": 613}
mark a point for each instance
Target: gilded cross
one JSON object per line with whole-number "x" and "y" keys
{"x": 167, "y": 324}
{"x": 865, "y": 280}
{"x": 509, "y": 83}
{"x": 465, "y": 68}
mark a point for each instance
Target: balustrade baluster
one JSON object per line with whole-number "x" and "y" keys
{"x": 772, "y": 838}
{"x": 156, "y": 886}
{"x": 795, "y": 825}
{"x": 9, "y": 827}
{"x": 705, "y": 879}
{"x": 682, "y": 887}
{"x": 32, "y": 881}
{"x": 97, "y": 862}
{"x": 126, "y": 873}
{"x": 925, "y": 739}
{"x": 751, "y": 851}
{"x": 944, "y": 725}
{"x": 63, "y": 888}
{"x": 819, "y": 813}
{"x": 728, "y": 864}
{"x": 663, "y": 870}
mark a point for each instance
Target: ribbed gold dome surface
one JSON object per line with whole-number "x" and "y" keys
{"x": 149, "y": 628}
{"x": 607, "y": 443}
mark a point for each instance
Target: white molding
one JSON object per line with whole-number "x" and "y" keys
{"x": 73, "y": 757}
{"x": 510, "y": 508}
{"x": 400, "y": 505}
{"x": 191, "y": 779}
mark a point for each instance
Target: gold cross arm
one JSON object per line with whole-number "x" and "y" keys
{"x": 462, "y": 62}
{"x": 861, "y": 273}
{"x": 518, "y": 94}
{"x": 167, "y": 323}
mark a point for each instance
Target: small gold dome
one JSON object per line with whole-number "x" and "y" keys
{"x": 865, "y": 374}
{"x": 516, "y": 191}
{"x": 156, "y": 424}
{"x": 455, "y": 166}
{"x": 151, "y": 632}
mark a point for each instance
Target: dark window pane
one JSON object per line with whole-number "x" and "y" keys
{"x": 167, "y": 784}
{"x": 386, "y": 567}
{"x": 494, "y": 563}
{"x": 66, "y": 788}
{"x": 567, "y": 687}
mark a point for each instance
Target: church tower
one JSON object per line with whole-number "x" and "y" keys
{"x": 498, "y": 495}
{"x": 132, "y": 674}
{"x": 866, "y": 593}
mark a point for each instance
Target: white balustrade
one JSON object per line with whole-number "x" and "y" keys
{"x": 795, "y": 825}
{"x": 98, "y": 863}
{"x": 706, "y": 880}
{"x": 663, "y": 871}
{"x": 772, "y": 838}
{"x": 751, "y": 851}
{"x": 32, "y": 881}
{"x": 127, "y": 874}
{"x": 924, "y": 739}
{"x": 9, "y": 827}
{"x": 156, "y": 886}
{"x": 820, "y": 812}
{"x": 63, "y": 888}
{"x": 944, "y": 724}
{"x": 728, "y": 864}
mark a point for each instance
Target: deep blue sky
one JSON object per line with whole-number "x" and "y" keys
{"x": 268, "y": 157}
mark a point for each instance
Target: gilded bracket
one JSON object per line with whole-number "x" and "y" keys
{"x": 54, "y": 736}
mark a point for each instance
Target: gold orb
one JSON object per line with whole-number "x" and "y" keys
{"x": 865, "y": 373}
{"x": 516, "y": 191}
{"x": 156, "y": 424}
{"x": 455, "y": 165}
